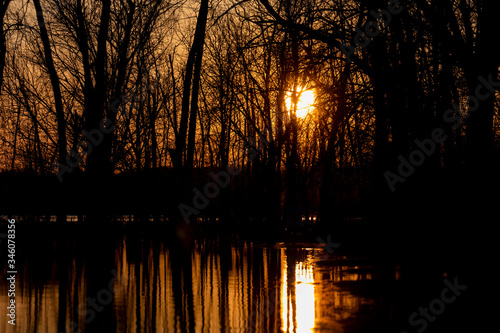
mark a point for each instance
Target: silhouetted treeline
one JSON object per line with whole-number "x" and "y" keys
{"x": 406, "y": 95}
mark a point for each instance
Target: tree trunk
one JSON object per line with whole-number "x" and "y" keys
{"x": 123, "y": 62}
{"x": 54, "y": 80}
{"x": 328, "y": 158}
{"x": 190, "y": 93}
{"x": 292, "y": 204}
{"x": 3, "y": 47}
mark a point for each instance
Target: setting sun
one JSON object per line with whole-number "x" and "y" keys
{"x": 305, "y": 104}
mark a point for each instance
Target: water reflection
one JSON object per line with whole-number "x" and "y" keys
{"x": 161, "y": 286}
{"x": 304, "y": 298}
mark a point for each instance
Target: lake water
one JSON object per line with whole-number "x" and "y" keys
{"x": 154, "y": 282}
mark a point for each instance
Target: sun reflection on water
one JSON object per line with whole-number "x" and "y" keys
{"x": 284, "y": 293}
{"x": 298, "y": 303}
{"x": 243, "y": 289}
{"x": 304, "y": 297}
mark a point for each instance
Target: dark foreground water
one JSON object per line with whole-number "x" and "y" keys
{"x": 175, "y": 282}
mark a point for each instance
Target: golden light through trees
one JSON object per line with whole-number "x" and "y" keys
{"x": 305, "y": 104}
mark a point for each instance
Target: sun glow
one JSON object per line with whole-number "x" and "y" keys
{"x": 305, "y": 104}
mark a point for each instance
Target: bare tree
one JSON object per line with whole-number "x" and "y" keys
{"x": 54, "y": 80}
{"x": 190, "y": 93}
{"x": 4, "y": 5}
